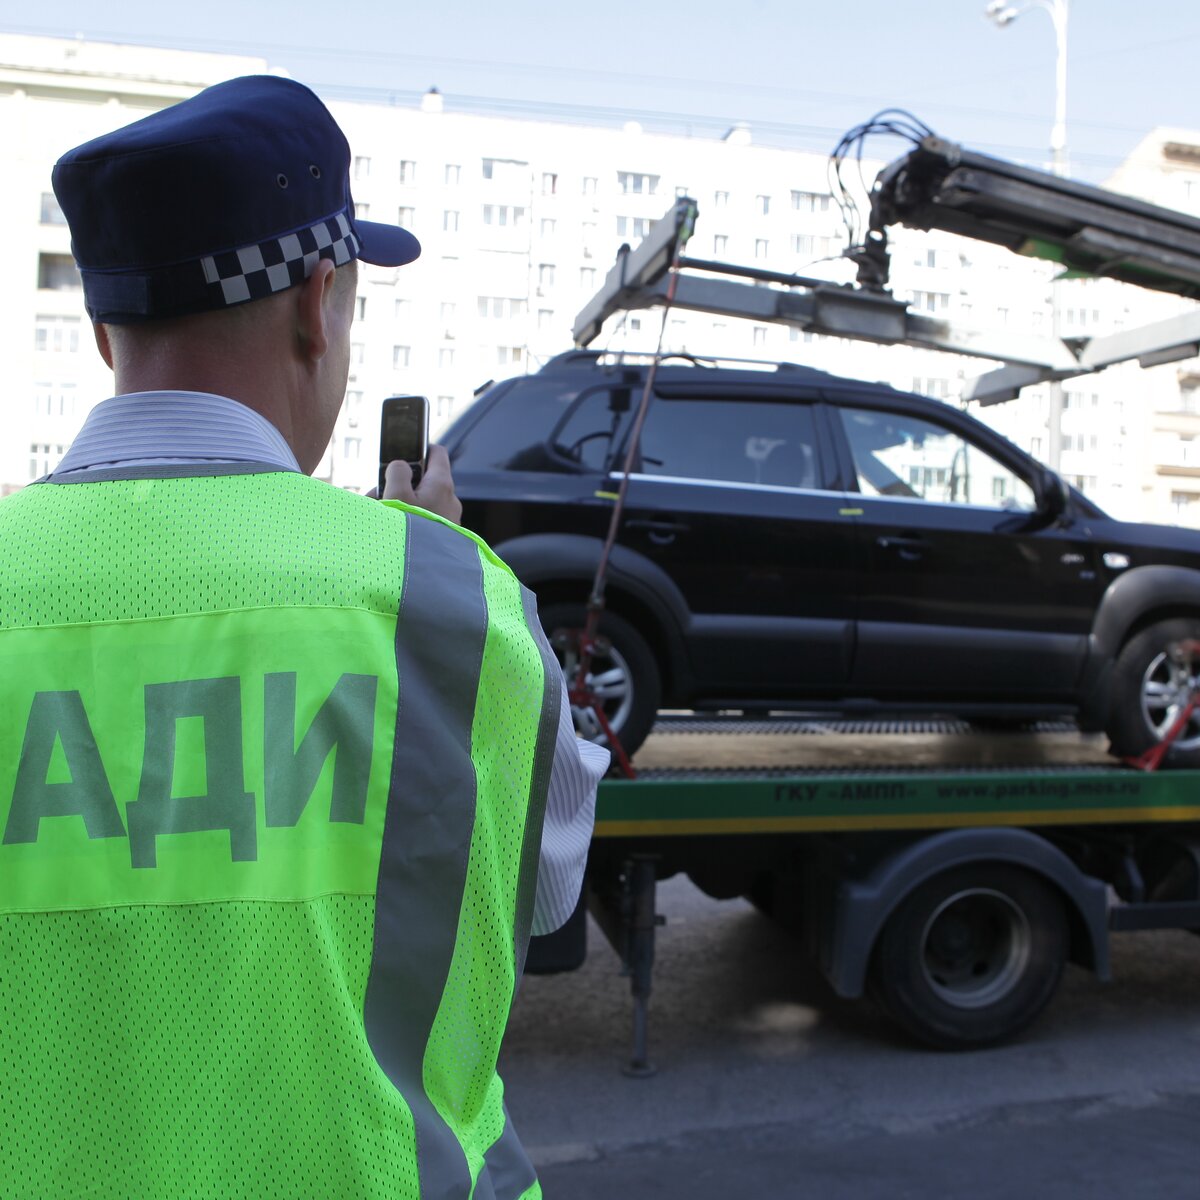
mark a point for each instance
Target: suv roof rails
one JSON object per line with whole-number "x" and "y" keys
{"x": 616, "y": 358}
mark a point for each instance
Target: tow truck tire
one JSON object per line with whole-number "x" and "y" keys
{"x": 971, "y": 956}
{"x": 1149, "y": 684}
{"x": 628, "y": 675}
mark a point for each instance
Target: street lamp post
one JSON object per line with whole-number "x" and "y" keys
{"x": 1004, "y": 14}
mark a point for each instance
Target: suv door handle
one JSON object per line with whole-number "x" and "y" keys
{"x": 660, "y": 533}
{"x": 657, "y": 526}
{"x": 909, "y": 548}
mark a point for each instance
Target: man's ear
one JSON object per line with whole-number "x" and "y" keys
{"x": 313, "y": 305}
{"x": 100, "y": 332}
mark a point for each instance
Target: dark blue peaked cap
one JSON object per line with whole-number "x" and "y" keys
{"x": 227, "y": 197}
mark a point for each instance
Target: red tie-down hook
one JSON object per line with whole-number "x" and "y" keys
{"x": 1184, "y": 655}
{"x": 578, "y": 647}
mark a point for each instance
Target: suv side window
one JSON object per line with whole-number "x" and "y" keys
{"x": 916, "y": 459}
{"x": 731, "y": 440}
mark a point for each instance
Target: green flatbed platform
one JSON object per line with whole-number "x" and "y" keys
{"x": 807, "y": 777}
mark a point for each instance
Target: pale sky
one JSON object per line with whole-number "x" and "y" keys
{"x": 799, "y": 71}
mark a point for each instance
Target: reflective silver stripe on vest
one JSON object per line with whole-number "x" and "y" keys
{"x": 507, "y": 1172}
{"x": 427, "y": 831}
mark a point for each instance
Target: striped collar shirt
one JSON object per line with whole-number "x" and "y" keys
{"x": 144, "y": 428}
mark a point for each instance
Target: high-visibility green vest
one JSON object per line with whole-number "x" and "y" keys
{"x": 273, "y": 766}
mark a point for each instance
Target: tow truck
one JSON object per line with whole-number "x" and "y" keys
{"x": 952, "y": 874}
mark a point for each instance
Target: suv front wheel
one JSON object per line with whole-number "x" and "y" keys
{"x": 624, "y": 674}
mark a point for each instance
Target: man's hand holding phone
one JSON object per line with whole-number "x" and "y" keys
{"x": 435, "y": 492}
{"x": 410, "y": 469}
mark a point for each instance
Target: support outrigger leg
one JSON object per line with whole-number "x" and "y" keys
{"x": 628, "y": 918}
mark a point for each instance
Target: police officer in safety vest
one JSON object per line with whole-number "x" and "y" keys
{"x": 286, "y": 774}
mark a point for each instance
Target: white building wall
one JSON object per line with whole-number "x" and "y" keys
{"x": 520, "y": 220}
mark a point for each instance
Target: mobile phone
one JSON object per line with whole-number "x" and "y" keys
{"x": 404, "y": 433}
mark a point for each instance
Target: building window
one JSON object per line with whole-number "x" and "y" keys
{"x": 509, "y": 354}
{"x": 503, "y": 215}
{"x": 356, "y": 353}
{"x": 352, "y": 406}
{"x": 362, "y": 211}
{"x": 587, "y": 277}
{"x": 589, "y": 185}
{"x": 360, "y": 308}
{"x": 931, "y": 301}
{"x": 760, "y": 335}
{"x": 362, "y": 167}
{"x": 406, "y": 216}
{"x": 400, "y": 356}
{"x": 548, "y": 226}
{"x": 450, "y": 220}
{"x": 633, "y": 227}
{"x": 447, "y": 311}
{"x": 443, "y": 407}
{"x": 501, "y": 308}
{"x": 814, "y": 247}
{"x": 352, "y": 447}
{"x": 720, "y": 243}
{"x": 43, "y": 457}
{"x": 56, "y": 335}
{"x": 58, "y": 273}
{"x": 453, "y": 173}
{"x": 762, "y": 248}
{"x": 545, "y": 318}
{"x": 408, "y": 171}
{"x": 939, "y": 389}
{"x": 720, "y": 199}
{"x": 446, "y": 356}
{"x": 680, "y": 191}
{"x": 545, "y": 274}
{"x": 54, "y": 399}
{"x": 811, "y": 202}
{"x": 764, "y": 204}
{"x": 630, "y": 182}
{"x": 549, "y": 183}
{"x": 52, "y": 214}
{"x": 402, "y": 309}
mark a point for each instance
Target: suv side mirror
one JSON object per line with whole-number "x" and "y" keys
{"x": 1051, "y": 497}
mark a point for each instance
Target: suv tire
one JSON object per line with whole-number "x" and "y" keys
{"x": 628, "y": 673}
{"x": 1152, "y": 680}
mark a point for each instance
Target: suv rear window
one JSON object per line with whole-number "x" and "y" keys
{"x": 730, "y": 439}
{"x": 542, "y": 426}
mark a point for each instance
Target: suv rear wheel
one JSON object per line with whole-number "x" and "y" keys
{"x": 1152, "y": 681}
{"x": 624, "y": 673}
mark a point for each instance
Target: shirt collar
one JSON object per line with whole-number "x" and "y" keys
{"x": 142, "y": 428}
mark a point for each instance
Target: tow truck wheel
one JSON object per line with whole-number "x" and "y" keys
{"x": 1152, "y": 680}
{"x": 971, "y": 956}
{"x": 624, "y": 674}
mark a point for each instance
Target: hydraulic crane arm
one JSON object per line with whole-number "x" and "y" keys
{"x": 939, "y": 185}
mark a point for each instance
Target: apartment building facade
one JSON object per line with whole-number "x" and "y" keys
{"x": 521, "y": 219}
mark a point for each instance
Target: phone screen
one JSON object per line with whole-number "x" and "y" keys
{"x": 404, "y": 433}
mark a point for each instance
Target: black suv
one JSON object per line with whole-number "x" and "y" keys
{"x": 792, "y": 539}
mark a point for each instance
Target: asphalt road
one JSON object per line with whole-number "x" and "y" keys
{"x": 769, "y": 1086}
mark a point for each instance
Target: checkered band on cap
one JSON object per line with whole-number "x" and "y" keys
{"x": 255, "y": 272}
